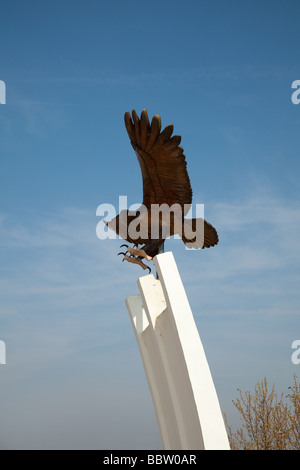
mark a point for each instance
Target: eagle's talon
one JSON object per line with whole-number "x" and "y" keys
{"x": 126, "y": 257}
{"x": 123, "y": 255}
{"x": 139, "y": 252}
{"x": 135, "y": 260}
{"x": 136, "y": 251}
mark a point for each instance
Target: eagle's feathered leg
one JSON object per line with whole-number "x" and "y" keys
{"x": 153, "y": 247}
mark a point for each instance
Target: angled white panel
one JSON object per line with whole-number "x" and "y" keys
{"x": 154, "y": 369}
{"x": 182, "y": 389}
{"x": 194, "y": 364}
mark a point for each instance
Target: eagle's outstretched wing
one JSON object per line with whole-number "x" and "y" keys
{"x": 163, "y": 165}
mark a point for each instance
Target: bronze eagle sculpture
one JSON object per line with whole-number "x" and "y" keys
{"x": 166, "y": 191}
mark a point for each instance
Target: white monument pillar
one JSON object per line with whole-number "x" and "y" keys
{"x": 184, "y": 397}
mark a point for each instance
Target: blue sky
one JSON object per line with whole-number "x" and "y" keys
{"x": 221, "y": 72}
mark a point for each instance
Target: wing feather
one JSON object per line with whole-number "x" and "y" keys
{"x": 162, "y": 162}
{"x": 129, "y": 126}
{"x": 144, "y": 128}
{"x": 137, "y": 127}
{"x": 154, "y": 132}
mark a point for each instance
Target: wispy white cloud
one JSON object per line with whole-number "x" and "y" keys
{"x": 255, "y": 267}
{"x": 116, "y": 77}
{"x": 58, "y": 254}
{"x": 36, "y": 116}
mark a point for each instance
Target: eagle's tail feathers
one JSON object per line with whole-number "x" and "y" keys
{"x": 197, "y": 233}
